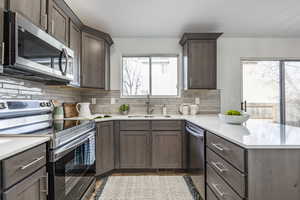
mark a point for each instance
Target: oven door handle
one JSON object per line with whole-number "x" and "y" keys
{"x": 60, "y": 152}
{"x": 194, "y": 133}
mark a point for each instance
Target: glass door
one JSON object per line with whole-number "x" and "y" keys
{"x": 292, "y": 92}
{"x": 261, "y": 90}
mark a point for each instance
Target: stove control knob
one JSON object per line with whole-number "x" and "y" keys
{"x": 42, "y": 104}
{"x": 48, "y": 104}
{"x": 2, "y": 106}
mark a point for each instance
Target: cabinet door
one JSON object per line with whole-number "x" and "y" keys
{"x": 34, "y": 188}
{"x": 59, "y": 23}
{"x": 202, "y": 67}
{"x": 104, "y": 148}
{"x": 75, "y": 45}
{"x": 93, "y": 62}
{"x": 135, "y": 149}
{"x": 34, "y": 10}
{"x": 166, "y": 149}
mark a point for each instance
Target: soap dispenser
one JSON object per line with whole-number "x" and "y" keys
{"x": 164, "y": 110}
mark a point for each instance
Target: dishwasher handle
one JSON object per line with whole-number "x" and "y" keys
{"x": 194, "y": 133}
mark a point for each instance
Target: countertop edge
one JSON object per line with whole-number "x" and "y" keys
{"x": 23, "y": 148}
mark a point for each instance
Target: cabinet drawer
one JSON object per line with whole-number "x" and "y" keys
{"x": 18, "y": 167}
{"x": 105, "y": 123}
{"x": 235, "y": 178}
{"x": 34, "y": 187}
{"x": 210, "y": 194}
{"x": 167, "y": 125}
{"x": 134, "y": 125}
{"x": 219, "y": 187}
{"x": 229, "y": 151}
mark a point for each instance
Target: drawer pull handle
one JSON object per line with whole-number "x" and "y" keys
{"x": 219, "y": 166}
{"x": 215, "y": 186}
{"x": 218, "y": 146}
{"x": 32, "y": 163}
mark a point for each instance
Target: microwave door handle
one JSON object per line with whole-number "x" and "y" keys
{"x": 63, "y": 53}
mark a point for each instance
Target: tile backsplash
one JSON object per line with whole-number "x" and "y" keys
{"x": 19, "y": 89}
{"x": 209, "y": 102}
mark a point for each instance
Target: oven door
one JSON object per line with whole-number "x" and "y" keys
{"x": 32, "y": 53}
{"x": 74, "y": 169}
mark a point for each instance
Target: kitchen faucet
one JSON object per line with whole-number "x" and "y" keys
{"x": 148, "y": 104}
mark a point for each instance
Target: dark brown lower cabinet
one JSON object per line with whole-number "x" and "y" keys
{"x": 166, "y": 149}
{"x": 34, "y": 188}
{"x": 135, "y": 149}
{"x": 105, "y": 148}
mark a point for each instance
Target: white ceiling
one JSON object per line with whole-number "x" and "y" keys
{"x": 170, "y": 18}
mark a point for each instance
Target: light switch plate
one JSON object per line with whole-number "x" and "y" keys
{"x": 197, "y": 100}
{"x": 112, "y": 101}
{"x": 94, "y": 101}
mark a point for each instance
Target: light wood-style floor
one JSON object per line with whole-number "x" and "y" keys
{"x": 158, "y": 173}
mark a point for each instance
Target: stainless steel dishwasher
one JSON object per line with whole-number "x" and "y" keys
{"x": 196, "y": 156}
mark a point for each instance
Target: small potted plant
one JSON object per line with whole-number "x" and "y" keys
{"x": 124, "y": 109}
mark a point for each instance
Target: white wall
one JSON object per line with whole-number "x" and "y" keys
{"x": 139, "y": 46}
{"x": 230, "y": 53}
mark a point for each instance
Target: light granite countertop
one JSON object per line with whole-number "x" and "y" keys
{"x": 10, "y": 146}
{"x": 254, "y": 134}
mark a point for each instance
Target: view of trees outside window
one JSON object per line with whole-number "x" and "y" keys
{"x": 164, "y": 76}
{"x": 261, "y": 90}
{"x": 150, "y": 75}
{"x": 136, "y": 76}
{"x": 292, "y": 90}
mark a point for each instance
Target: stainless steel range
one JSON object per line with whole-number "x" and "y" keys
{"x": 71, "y": 157}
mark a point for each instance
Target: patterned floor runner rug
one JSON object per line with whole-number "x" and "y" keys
{"x": 147, "y": 188}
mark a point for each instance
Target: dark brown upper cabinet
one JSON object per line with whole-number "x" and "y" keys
{"x": 95, "y": 68}
{"x": 91, "y": 47}
{"x": 34, "y": 10}
{"x": 59, "y": 23}
{"x": 200, "y": 60}
{"x": 75, "y": 45}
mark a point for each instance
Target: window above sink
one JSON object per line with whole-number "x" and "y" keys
{"x": 156, "y": 76}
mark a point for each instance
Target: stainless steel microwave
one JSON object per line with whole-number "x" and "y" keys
{"x": 31, "y": 53}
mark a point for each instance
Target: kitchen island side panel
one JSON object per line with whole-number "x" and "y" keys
{"x": 274, "y": 174}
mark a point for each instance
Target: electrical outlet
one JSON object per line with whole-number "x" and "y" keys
{"x": 197, "y": 101}
{"x": 112, "y": 101}
{"x": 94, "y": 101}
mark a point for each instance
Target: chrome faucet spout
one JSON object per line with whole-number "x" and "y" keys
{"x": 148, "y": 104}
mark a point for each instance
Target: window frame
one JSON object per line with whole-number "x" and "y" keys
{"x": 282, "y": 93}
{"x": 150, "y": 56}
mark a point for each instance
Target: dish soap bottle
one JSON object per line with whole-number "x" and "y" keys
{"x": 164, "y": 110}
